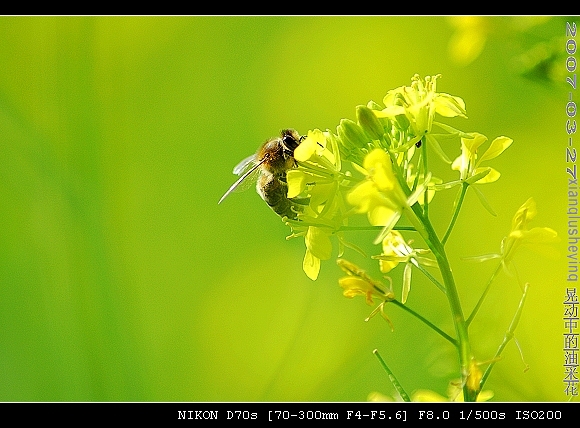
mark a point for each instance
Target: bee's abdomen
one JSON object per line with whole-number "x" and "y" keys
{"x": 274, "y": 192}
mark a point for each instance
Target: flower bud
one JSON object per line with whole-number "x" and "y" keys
{"x": 385, "y": 121}
{"x": 369, "y": 122}
{"x": 351, "y": 134}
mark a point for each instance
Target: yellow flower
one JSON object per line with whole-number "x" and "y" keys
{"x": 354, "y": 286}
{"x": 419, "y": 103}
{"x": 472, "y": 33}
{"x": 317, "y": 163}
{"x": 474, "y": 377}
{"x": 316, "y": 183}
{"x": 432, "y": 185}
{"x": 380, "y": 196}
{"x": 469, "y": 38}
{"x": 359, "y": 283}
{"x": 312, "y": 146}
{"x": 378, "y": 397}
{"x": 318, "y": 247}
{"x": 454, "y": 394}
{"x": 537, "y": 238}
{"x": 455, "y": 388}
{"x": 395, "y": 251}
{"x": 468, "y": 163}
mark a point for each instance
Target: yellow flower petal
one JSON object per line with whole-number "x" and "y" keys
{"x": 314, "y": 143}
{"x": 305, "y": 150}
{"x": 474, "y": 377}
{"x": 390, "y": 111}
{"x": 378, "y": 397}
{"x": 492, "y": 176}
{"x": 541, "y": 235}
{"x": 449, "y": 105}
{"x": 460, "y": 163}
{"x": 464, "y": 47}
{"x": 378, "y": 164}
{"x": 377, "y": 159}
{"x": 381, "y": 215}
{"x": 354, "y": 286}
{"x": 472, "y": 144}
{"x": 311, "y": 265}
{"x": 364, "y": 196}
{"x": 296, "y": 180}
{"x": 318, "y": 242}
{"x": 426, "y": 396}
{"x": 469, "y": 39}
{"x": 496, "y": 148}
{"x": 524, "y": 214}
{"x": 387, "y": 265}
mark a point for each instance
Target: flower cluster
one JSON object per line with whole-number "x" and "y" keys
{"x": 380, "y": 195}
{"x": 317, "y": 180}
{"x": 377, "y": 170}
{"x": 370, "y": 166}
{"x": 418, "y": 104}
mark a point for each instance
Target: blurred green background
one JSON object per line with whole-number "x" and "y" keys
{"x": 121, "y": 279}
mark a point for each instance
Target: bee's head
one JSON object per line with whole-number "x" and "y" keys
{"x": 290, "y": 140}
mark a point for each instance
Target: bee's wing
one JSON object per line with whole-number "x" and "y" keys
{"x": 244, "y": 165}
{"x": 249, "y": 171}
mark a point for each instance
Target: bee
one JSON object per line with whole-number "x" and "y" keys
{"x": 268, "y": 167}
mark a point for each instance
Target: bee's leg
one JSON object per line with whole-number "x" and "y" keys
{"x": 301, "y": 201}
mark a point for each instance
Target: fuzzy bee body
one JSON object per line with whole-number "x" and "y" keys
{"x": 268, "y": 168}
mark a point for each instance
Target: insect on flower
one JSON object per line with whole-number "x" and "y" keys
{"x": 267, "y": 168}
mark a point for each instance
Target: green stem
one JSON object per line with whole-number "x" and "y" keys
{"x": 426, "y": 194}
{"x": 426, "y": 321}
{"x": 392, "y": 378}
{"x": 375, "y": 228}
{"x": 452, "y": 130}
{"x": 508, "y": 336}
{"x": 464, "y": 348}
{"x": 457, "y": 208}
{"x": 431, "y": 277}
{"x": 484, "y": 294}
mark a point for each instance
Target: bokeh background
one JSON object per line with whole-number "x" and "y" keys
{"x": 121, "y": 279}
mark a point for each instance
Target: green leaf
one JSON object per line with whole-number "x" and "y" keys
{"x": 483, "y": 201}
{"x": 434, "y": 144}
